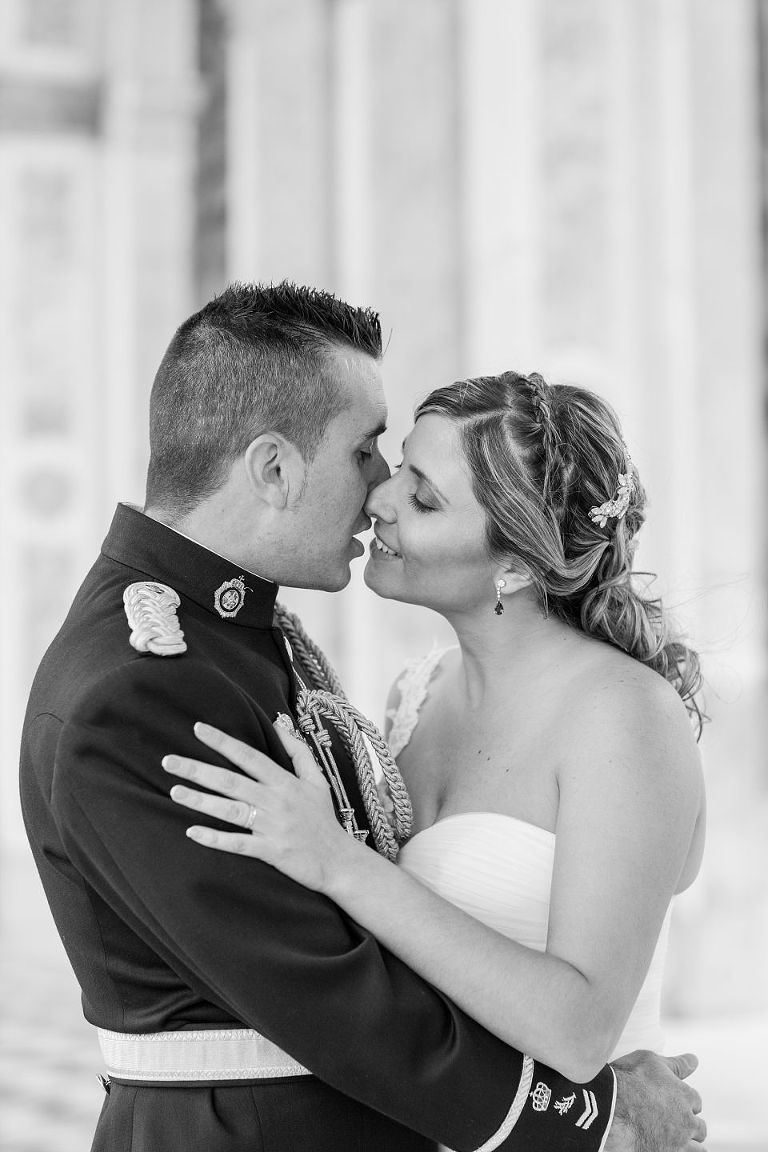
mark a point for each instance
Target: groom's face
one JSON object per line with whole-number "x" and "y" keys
{"x": 346, "y": 466}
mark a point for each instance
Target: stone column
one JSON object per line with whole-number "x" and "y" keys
{"x": 49, "y": 372}
{"x": 97, "y": 106}
{"x": 724, "y": 498}
{"x": 151, "y": 102}
{"x": 279, "y": 138}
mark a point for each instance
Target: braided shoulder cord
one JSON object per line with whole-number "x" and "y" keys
{"x": 311, "y": 655}
{"x": 352, "y": 726}
{"x": 327, "y": 699}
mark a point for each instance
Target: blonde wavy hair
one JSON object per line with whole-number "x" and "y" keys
{"x": 541, "y": 457}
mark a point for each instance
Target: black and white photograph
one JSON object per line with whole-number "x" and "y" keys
{"x": 383, "y": 496}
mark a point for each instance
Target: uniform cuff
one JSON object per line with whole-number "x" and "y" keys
{"x": 552, "y": 1114}
{"x": 612, "y": 1111}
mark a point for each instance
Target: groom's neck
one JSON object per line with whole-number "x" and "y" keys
{"x": 215, "y": 523}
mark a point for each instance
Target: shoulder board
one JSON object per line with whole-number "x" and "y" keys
{"x": 151, "y": 611}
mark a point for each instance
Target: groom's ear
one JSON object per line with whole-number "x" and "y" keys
{"x": 275, "y": 469}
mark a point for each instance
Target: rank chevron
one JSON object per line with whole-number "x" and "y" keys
{"x": 590, "y": 1110}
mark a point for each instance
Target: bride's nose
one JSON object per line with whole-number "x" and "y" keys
{"x": 379, "y": 502}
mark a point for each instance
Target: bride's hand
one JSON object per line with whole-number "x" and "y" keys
{"x": 285, "y": 820}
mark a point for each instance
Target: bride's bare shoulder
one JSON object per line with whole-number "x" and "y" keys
{"x": 624, "y": 707}
{"x": 627, "y": 751}
{"x": 620, "y": 711}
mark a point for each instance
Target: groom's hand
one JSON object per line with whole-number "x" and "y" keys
{"x": 655, "y": 1110}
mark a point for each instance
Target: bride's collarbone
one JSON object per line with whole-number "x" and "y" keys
{"x": 452, "y": 766}
{"x": 498, "y": 737}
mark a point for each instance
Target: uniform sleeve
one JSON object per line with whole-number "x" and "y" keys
{"x": 281, "y": 959}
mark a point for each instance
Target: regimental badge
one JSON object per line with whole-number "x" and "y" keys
{"x": 151, "y": 611}
{"x": 230, "y": 597}
{"x": 541, "y": 1096}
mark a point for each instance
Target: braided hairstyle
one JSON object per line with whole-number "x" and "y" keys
{"x": 541, "y": 458}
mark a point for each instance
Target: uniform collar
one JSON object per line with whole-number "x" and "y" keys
{"x": 189, "y": 568}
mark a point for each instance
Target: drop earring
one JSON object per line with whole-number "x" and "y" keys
{"x": 499, "y": 607}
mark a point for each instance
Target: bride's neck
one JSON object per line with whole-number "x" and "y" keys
{"x": 500, "y": 652}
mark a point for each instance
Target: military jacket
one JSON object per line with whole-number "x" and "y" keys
{"x": 165, "y": 935}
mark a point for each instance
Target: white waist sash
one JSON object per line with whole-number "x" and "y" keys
{"x": 219, "y": 1054}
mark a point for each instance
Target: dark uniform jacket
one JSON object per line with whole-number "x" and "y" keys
{"x": 166, "y": 935}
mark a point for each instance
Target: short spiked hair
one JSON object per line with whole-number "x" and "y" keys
{"x": 253, "y": 359}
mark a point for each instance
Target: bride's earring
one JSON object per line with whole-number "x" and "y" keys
{"x": 499, "y": 607}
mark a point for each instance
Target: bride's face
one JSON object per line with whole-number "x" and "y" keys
{"x": 431, "y": 526}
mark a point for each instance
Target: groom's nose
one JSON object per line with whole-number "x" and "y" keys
{"x": 378, "y": 471}
{"x": 378, "y": 503}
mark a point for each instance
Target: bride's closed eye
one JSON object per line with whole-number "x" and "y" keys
{"x": 413, "y": 499}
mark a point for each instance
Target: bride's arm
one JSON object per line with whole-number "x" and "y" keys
{"x": 629, "y": 797}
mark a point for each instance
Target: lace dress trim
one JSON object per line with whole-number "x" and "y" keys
{"x": 413, "y": 686}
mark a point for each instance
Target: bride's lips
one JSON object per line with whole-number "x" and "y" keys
{"x": 381, "y": 551}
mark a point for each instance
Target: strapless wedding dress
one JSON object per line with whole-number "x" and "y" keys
{"x": 499, "y": 870}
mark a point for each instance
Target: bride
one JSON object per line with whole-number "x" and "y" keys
{"x": 550, "y": 756}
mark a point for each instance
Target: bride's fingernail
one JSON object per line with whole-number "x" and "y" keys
{"x": 202, "y": 835}
{"x": 284, "y": 723}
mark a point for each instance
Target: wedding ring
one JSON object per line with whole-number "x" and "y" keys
{"x": 251, "y": 817}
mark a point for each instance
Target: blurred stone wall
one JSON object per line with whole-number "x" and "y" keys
{"x": 98, "y": 115}
{"x": 571, "y": 186}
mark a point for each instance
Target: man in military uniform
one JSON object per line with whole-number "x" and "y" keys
{"x": 237, "y": 1010}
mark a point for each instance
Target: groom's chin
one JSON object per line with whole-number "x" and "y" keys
{"x": 335, "y": 581}
{"x": 319, "y": 580}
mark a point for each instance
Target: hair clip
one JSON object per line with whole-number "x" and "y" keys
{"x": 620, "y": 501}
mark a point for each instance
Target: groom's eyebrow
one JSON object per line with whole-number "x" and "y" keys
{"x": 379, "y": 430}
